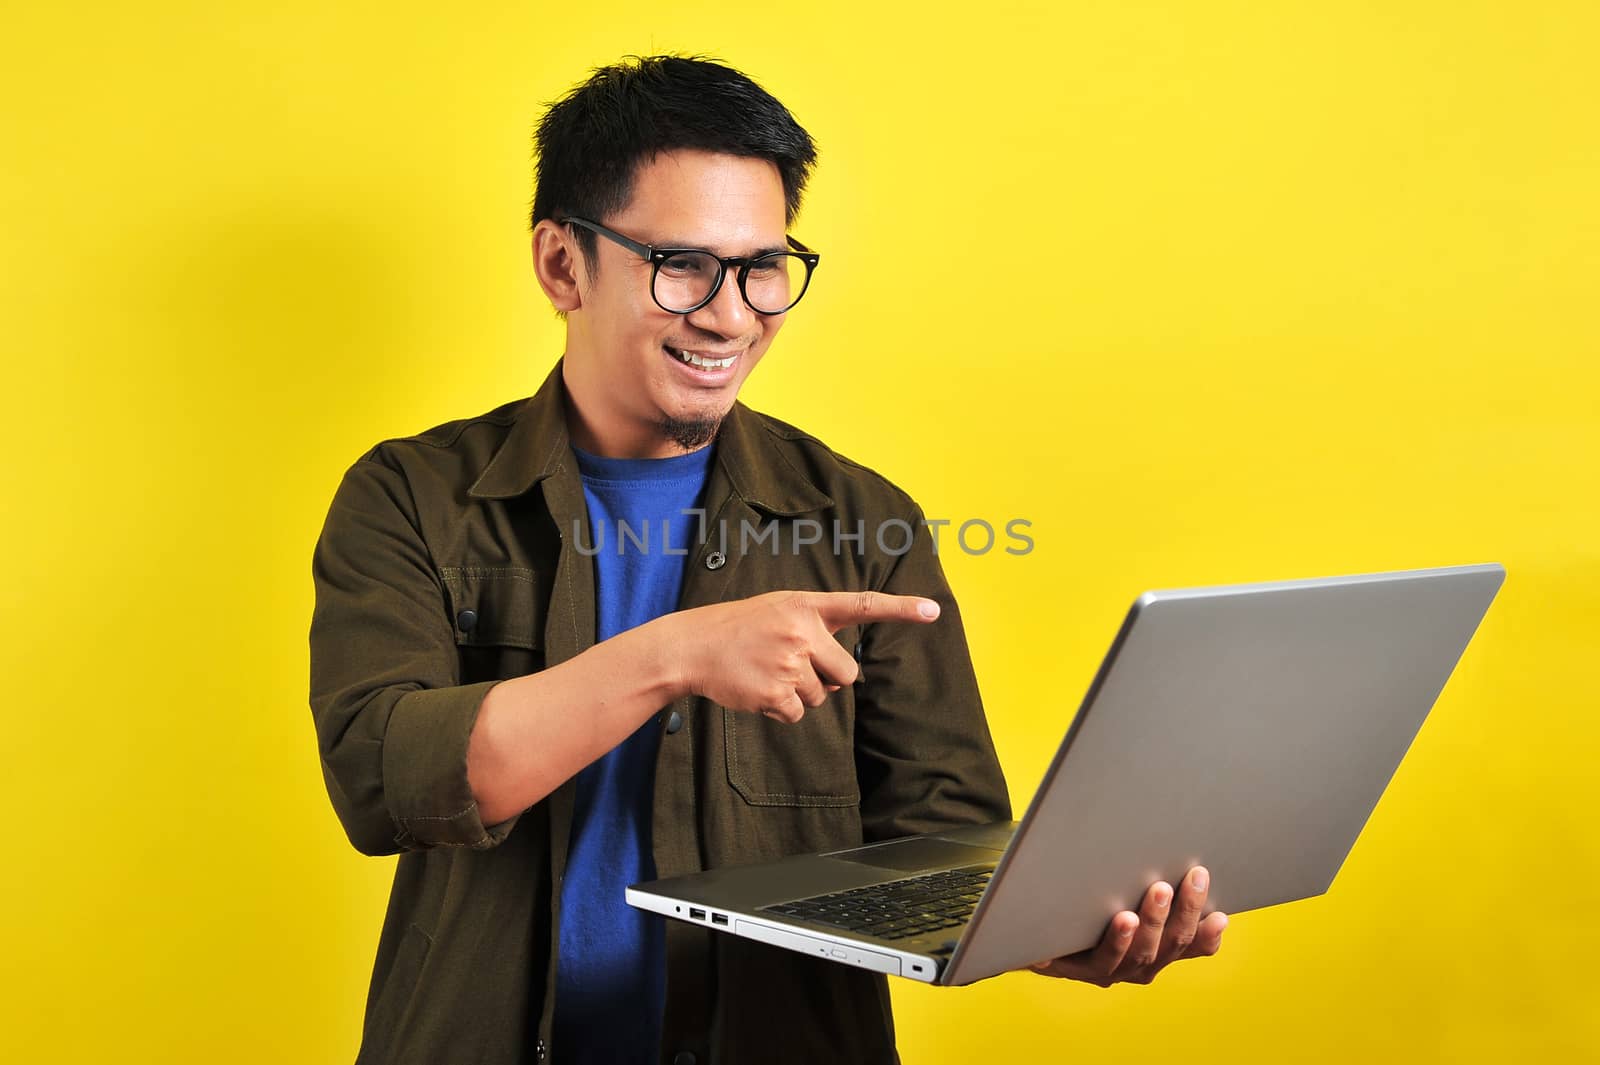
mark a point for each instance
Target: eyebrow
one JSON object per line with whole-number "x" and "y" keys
{"x": 687, "y": 245}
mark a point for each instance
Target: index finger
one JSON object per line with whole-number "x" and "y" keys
{"x": 838, "y": 609}
{"x": 1096, "y": 964}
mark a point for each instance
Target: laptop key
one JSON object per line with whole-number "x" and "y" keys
{"x": 916, "y": 904}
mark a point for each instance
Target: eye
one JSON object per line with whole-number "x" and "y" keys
{"x": 685, "y": 264}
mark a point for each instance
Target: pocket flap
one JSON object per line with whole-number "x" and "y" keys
{"x": 494, "y": 606}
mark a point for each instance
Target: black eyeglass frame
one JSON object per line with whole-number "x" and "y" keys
{"x": 656, "y": 256}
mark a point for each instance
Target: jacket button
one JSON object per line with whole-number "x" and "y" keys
{"x": 715, "y": 560}
{"x": 683, "y": 1057}
{"x": 674, "y": 722}
{"x": 466, "y": 620}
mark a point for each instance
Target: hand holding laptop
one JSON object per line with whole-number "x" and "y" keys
{"x": 1137, "y": 946}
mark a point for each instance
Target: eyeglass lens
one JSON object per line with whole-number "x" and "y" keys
{"x": 773, "y": 284}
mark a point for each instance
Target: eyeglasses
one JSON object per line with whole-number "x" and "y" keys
{"x": 682, "y": 280}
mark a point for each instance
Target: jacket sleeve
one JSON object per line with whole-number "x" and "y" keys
{"x": 392, "y": 717}
{"x": 924, "y": 756}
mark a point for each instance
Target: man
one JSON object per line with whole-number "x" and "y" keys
{"x": 535, "y": 706}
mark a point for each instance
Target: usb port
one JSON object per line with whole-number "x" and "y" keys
{"x": 719, "y": 918}
{"x": 698, "y": 915}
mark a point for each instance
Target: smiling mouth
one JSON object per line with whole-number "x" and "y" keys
{"x": 702, "y": 361}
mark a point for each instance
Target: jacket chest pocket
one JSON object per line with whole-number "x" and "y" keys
{"x": 498, "y": 616}
{"x": 809, "y": 763}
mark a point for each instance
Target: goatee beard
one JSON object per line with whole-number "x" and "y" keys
{"x": 690, "y": 433}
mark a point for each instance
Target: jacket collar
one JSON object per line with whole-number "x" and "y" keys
{"x": 538, "y": 447}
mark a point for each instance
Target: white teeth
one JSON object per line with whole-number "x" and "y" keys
{"x": 705, "y": 364}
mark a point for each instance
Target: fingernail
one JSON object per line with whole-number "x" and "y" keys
{"x": 928, "y": 608}
{"x": 1199, "y": 880}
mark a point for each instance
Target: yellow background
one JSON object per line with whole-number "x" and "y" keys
{"x": 1208, "y": 292}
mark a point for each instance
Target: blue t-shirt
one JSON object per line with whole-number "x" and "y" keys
{"x": 611, "y": 966}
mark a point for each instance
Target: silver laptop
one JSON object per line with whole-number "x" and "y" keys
{"x": 1249, "y": 728}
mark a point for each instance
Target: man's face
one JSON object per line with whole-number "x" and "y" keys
{"x": 635, "y": 392}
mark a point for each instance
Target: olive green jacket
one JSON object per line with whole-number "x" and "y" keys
{"x": 449, "y": 562}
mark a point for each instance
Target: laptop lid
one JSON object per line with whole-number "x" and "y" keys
{"x": 1249, "y": 728}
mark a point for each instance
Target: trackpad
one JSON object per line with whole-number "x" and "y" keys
{"x": 913, "y": 854}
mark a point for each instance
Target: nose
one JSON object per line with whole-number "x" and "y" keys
{"x": 727, "y": 315}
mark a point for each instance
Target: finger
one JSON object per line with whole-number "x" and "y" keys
{"x": 838, "y": 609}
{"x": 788, "y": 710}
{"x": 1185, "y": 917}
{"x": 809, "y": 688}
{"x": 1146, "y": 943}
{"x": 1097, "y": 964}
{"x": 1208, "y": 937}
{"x": 832, "y": 662}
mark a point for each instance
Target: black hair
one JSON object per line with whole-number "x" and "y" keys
{"x": 591, "y": 142}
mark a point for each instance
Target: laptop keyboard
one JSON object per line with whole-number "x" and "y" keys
{"x": 897, "y": 909}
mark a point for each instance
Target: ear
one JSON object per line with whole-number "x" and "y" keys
{"x": 558, "y": 263}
